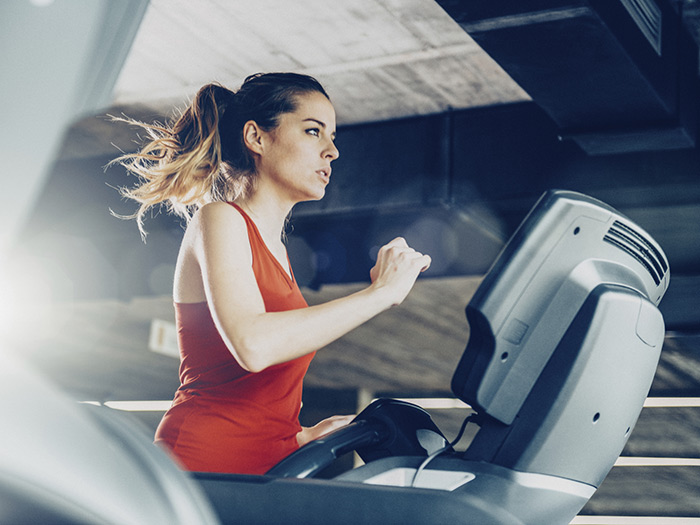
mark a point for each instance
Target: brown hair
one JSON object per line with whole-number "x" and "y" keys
{"x": 201, "y": 157}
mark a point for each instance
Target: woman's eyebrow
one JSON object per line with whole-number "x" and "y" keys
{"x": 319, "y": 122}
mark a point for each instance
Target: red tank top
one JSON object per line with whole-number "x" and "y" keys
{"x": 223, "y": 418}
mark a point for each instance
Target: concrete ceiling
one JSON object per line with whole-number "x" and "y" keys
{"x": 378, "y": 60}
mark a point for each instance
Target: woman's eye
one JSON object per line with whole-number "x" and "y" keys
{"x": 314, "y": 131}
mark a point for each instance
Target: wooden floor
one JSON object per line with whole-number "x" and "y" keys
{"x": 99, "y": 352}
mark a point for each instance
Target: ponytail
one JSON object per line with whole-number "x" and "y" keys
{"x": 181, "y": 164}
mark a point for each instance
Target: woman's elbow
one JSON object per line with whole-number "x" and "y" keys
{"x": 250, "y": 356}
{"x": 251, "y": 366}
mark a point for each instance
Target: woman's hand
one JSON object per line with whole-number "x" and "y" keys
{"x": 397, "y": 268}
{"x": 321, "y": 429}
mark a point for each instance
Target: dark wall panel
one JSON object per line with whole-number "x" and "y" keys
{"x": 395, "y": 164}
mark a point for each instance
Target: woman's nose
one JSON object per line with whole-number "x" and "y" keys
{"x": 331, "y": 151}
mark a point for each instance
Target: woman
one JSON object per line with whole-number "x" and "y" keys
{"x": 234, "y": 165}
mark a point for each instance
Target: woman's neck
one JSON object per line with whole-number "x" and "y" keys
{"x": 268, "y": 214}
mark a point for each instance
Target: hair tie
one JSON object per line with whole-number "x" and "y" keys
{"x": 223, "y": 101}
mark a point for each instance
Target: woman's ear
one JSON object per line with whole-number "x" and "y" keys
{"x": 253, "y": 136}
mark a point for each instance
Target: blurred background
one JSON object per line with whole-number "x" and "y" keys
{"x": 453, "y": 118}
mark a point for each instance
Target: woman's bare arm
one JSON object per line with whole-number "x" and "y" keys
{"x": 259, "y": 339}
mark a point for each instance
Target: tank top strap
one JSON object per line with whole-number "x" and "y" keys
{"x": 258, "y": 246}
{"x": 252, "y": 228}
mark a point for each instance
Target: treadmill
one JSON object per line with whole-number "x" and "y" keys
{"x": 565, "y": 338}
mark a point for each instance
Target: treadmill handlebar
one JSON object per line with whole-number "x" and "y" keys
{"x": 316, "y": 455}
{"x": 387, "y": 427}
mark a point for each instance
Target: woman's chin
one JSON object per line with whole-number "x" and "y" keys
{"x": 315, "y": 197}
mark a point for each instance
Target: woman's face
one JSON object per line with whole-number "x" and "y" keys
{"x": 295, "y": 158}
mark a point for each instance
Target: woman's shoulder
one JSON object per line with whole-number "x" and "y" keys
{"x": 217, "y": 213}
{"x": 217, "y": 206}
{"x": 216, "y": 236}
{"x": 216, "y": 222}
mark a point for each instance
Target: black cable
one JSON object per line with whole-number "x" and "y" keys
{"x": 471, "y": 417}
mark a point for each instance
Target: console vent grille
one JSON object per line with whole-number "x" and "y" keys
{"x": 647, "y": 15}
{"x": 636, "y": 245}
